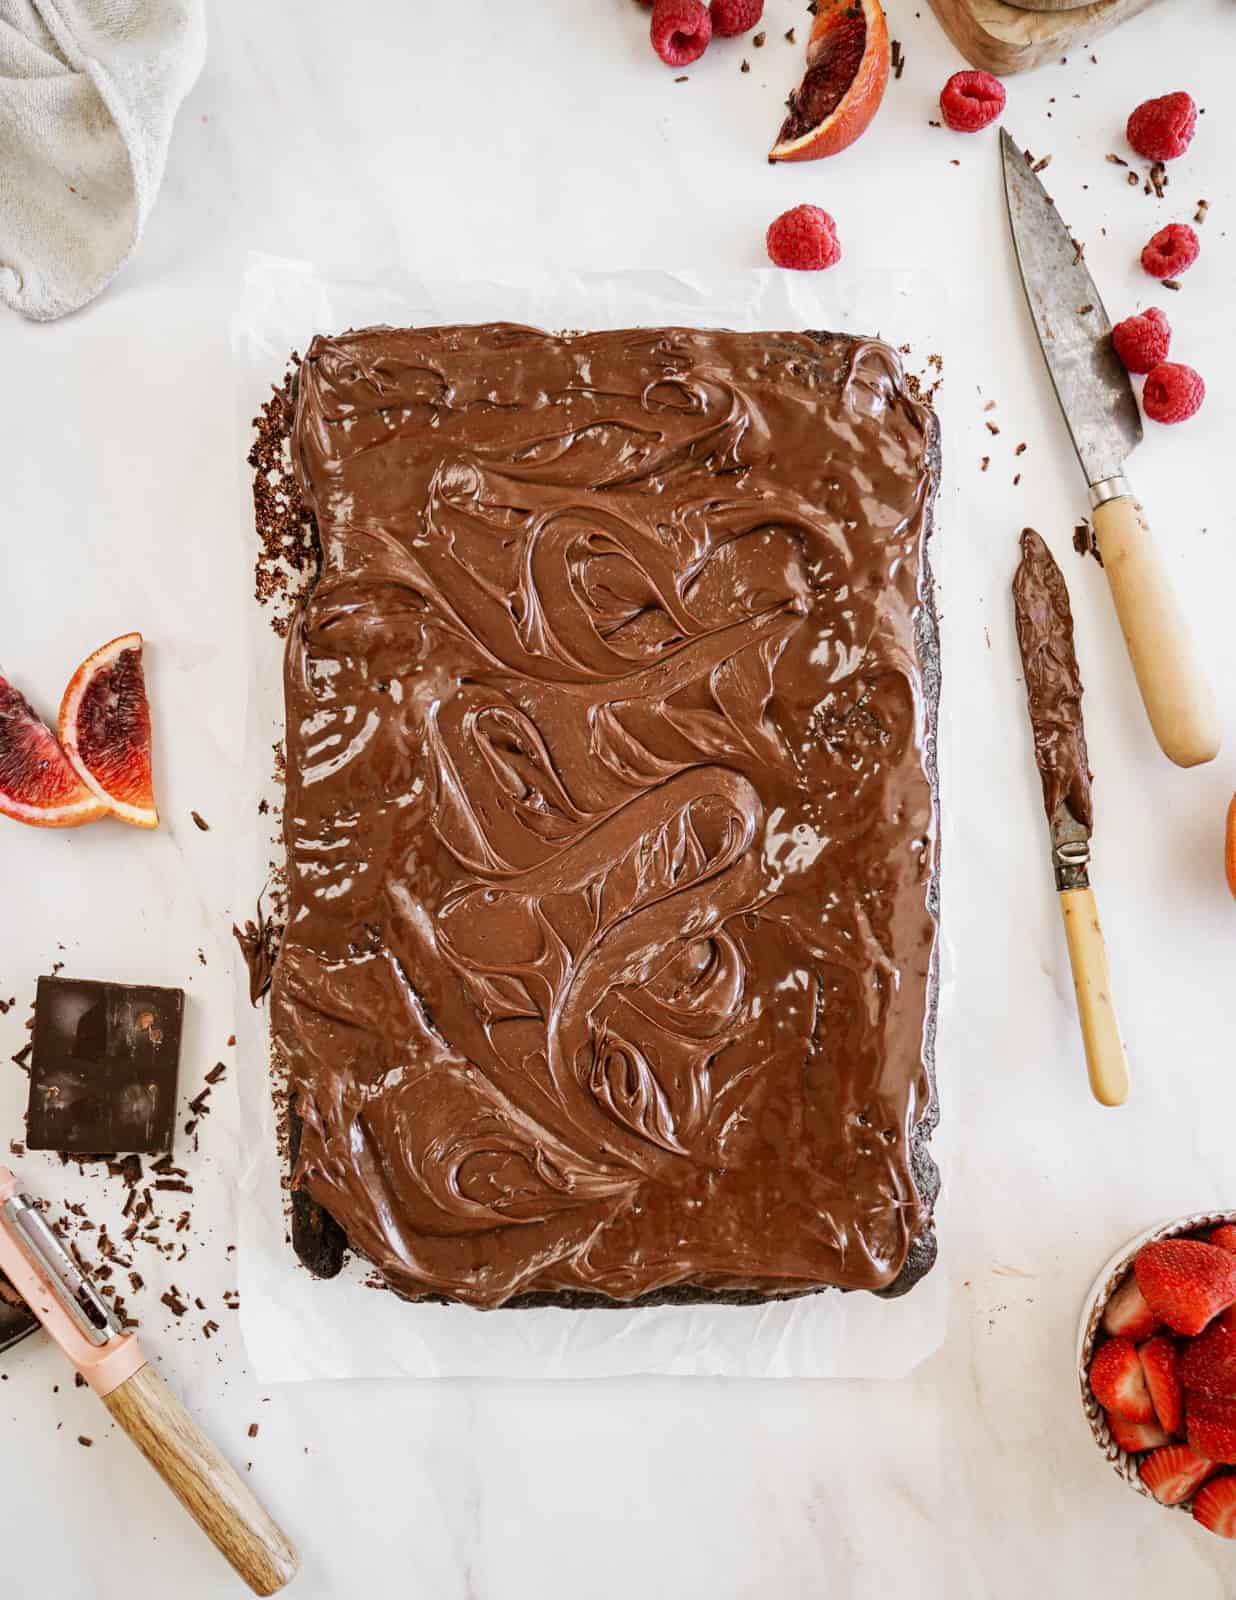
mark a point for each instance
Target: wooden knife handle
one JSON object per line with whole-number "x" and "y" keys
{"x": 1105, "y": 1060}
{"x": 208, "y": 1486}
{"x": 1177, "y": 697}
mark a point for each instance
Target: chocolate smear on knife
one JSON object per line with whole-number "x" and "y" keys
{"x": 1053, "y": 683}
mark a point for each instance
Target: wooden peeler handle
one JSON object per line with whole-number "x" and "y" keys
{"x": 207, "y": 1485}
{"x": 1105, "y": 1059}
{"x": 1177, "y": 697}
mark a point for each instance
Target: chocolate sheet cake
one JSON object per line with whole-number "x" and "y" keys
{"x": 610, "y": 819}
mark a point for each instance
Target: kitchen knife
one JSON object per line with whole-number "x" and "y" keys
{"x": 1054, "y": 691}
{"x": 1101, "y": 411}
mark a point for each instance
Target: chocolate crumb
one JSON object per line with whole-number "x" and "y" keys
{"x": 174, "y": 1303}
{"x": 231, "y": 1040}
{"x": 1118, "y": 160}
{"x": 1203, "y": 206}
{"x": 175, "y": 1185}
{"x": 1079, "y": 250}
{"x": 1084, "y": 311}
{"x": 932, "y": 124}
{"x": 210, "y": 1328}
{"x": 984, "y": 463}
{"x": 200, "y": 821}
{"x": 990, "y": 406}
{"x": 216, "y": 1072}
{"x": 23, "y": 1055}
{"x": 1158, "y": 179}
{"x": 746, "y": 66}
{"x": 16, "y": 1148}
{"x": 1044, "y": 161}
{"x": 1170, "y": 283}
{"x": 683, "y": 79}
{"x": 7, "y": 1005}
{"x": 1084, "y": 541}
{"x": 992, "y": 427}
{"x": 198, "y": 1105}
{"x": 790, "y": 36}
{"x": 1016, "y": 480}
{"x": 85, "y": 1439}
{"x": 78, "y": 1381}
{"x": 1021, "y": 449}
{"x": 253, "y": 1430}
{"x": 757, "y": 39}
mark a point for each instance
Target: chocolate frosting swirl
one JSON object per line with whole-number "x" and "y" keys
{"x": 608, "y": 828}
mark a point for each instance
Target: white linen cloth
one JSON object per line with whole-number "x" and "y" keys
{"x": 89, "y": 90}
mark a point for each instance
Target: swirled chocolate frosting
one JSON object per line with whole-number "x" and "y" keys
{"x": 610, "y": 834}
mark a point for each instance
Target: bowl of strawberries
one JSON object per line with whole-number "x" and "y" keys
{"x": 1156, "y": 1359}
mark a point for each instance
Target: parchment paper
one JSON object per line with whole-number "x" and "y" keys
{"x": 297, "y": 1327}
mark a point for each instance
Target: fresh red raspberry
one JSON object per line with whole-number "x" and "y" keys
{"x": 1163, "y": 129}
{"x": 804, "y": 238}
{"x": 1143, "y": 341}
{"x": 970, "y": 100}
{"x": 680, "y": 31}
{"x": 1173, "y": 250}
{"x": 730, "y": 17}
{"x": 1173, "y": 392}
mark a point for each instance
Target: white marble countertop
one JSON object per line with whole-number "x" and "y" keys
{"x": 459, "y": 138}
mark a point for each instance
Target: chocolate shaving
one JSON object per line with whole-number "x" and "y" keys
{"x": 216, "y": 1072}
{"x": 200, "y": 821}
{"x": 174, "y": 1303}
{"x": 259, "y": 944}
{"x": 1117, "y": 160}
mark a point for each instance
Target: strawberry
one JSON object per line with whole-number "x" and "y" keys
{"x": 1186, "y": 1282}
{"x": 1225, "y": 1234}
{"x": 1160, "y": 1362}
{"x": 1211, "y": 1425}
{"x": 1117, "y": 1381}
{"x": 1214, "y": 1506}
{"x": 1173, "y": 1472}
{"x": 1209, "y": 1361}
{"x": 1135, "y": 1436}
{"x": 1128, "y": 1313}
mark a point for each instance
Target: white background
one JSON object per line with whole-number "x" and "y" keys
{"x": 446, "y": 137}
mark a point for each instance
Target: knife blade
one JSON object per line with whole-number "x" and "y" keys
{"x": 1101, "y": 412}
{"x": 1044, "y": 624}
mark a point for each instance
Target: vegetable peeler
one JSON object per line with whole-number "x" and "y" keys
{"x": 112, "y": 1362}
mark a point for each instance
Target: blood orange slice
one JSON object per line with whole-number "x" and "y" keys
{"x": 105, "y": 730}
{"x": 37, "y": 783}
{"x": 847, "y": 70}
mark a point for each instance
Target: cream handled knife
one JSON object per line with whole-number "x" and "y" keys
{"x": 1053, "y": 692}
{"x": 1101, "y": 411}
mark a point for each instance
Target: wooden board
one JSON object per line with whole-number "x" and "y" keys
{"x": 1002, "y": 38}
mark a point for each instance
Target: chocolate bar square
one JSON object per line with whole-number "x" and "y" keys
{"x": 104, "y": 1068}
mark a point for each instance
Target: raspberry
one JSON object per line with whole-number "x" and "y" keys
{"x": 970, "y": 100}
{"x": 1143, "y": 341}
{"x": 680, "y": 31}
{"x": 804, "y": 238}
{"x": 1173, "y": 250}
{"x": 1162, "y": 129}
{"x": 734, "y": 16}
{"x": 1173, "y": 392}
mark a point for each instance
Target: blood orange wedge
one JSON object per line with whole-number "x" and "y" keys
{"x": 105, "y": 730}
{"x": 37, "y": 783}
{"x": 847, "y": 70}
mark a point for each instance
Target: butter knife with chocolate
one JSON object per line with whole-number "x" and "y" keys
{"x": 1054, "y": 691}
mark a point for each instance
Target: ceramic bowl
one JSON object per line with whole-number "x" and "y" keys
{"x": 1111, "y": 1275}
